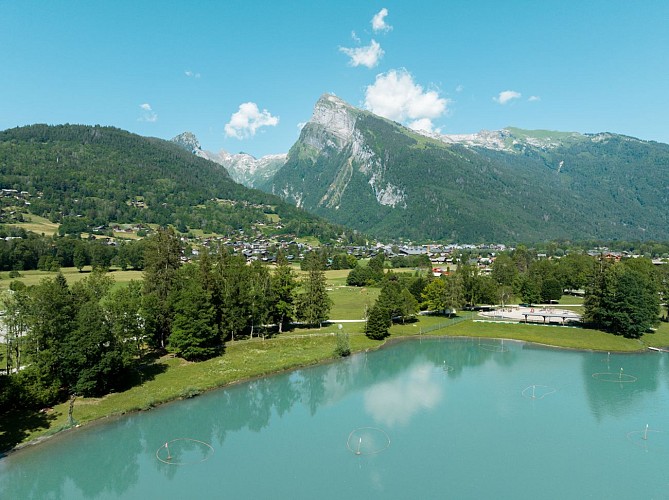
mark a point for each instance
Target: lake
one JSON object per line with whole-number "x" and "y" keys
{"x": 436, "y": 418}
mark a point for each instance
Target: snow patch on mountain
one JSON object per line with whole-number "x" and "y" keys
{"x": 242, "y": 167}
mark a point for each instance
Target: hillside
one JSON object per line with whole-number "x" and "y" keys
{"x": 103, "y": 174}
{"x": 374, "y": 175}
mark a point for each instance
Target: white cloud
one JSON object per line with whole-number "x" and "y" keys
{"x": 379, "y": 21}
{"x": 534, "y": 98}
{"x": 364, "y": 56}
{"x": 191, "y": 74}
{"x": 300, "y": 126}
{"x": 147, "y": 115}
{"x": 423, "y": 124}
{"x": 396, "y": 401}
{"x": 355, "y": 37}
{"x": 394, "y": 95}
{"x": 245, "y": 122}
{"x": 459, "y": 88}
{"x": 507, "y": 96}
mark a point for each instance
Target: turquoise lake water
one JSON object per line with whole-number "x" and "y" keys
{"x": 439, "y": 418}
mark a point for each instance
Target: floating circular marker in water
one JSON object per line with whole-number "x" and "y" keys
{"x": 184, "y": 451}
{"x": 650, "y": 439}
{"x": 620, "y": 377}
{"x": 367, "y": 441}
{"x": 536, "y": 391}
{"x": 494, "y": 347}
{"x": 447, "y": 368}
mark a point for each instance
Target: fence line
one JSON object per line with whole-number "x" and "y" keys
{"x": 439, "y": 326}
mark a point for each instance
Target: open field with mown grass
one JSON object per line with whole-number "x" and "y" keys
{"x": 72, "y": 275}
{"x": 38, "y": 225}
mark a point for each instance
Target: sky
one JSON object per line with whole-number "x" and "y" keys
{"x": 244, "y": 75}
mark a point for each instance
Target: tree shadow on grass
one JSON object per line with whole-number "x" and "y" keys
{"x": 16, "y": 426}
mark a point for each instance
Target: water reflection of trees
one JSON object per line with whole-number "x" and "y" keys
{"x": 113, "y": 454}
{"x": 621, "y": 398}
{"x": 214, "y": 416}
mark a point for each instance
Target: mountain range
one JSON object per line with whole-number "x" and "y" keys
{"x": 243, "y": 168}
{"x": 512, "y": 185}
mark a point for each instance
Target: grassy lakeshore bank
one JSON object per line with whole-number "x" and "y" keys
{"x": 169, "y": 378}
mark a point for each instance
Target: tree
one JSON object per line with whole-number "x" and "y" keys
{"x": 16, "y": 304}
{"x": 376, "y": 265}
{"x": 623, "y": 299}
{"x": 52, "y": 318}
{"x": 123, "y": 309}
{"x": 444, "y": 294}
{"x": 230, "y": 297}
{"x": 408, "y": 305}
{"x": 162, "y": 261}
{"x": 313, "y": 303}
{"x": 360, "y": 276}
{"x": 194, "y": 336}
{"x": 551, "y": 289}
{"x": 80, "y": 256}
{"x": 378, "y": 322}
{"x": 93, "y": 358}
{"x": 259, "y": 295}
{"x": 283, "y": 293}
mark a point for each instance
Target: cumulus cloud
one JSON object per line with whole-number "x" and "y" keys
{"x": 507, "y": 96}
{"x": 534, "y": 98}
{"x": 394, "y": 95}
{"x": 191, "y": 74}
{"x": 396, "y": 401}
{"x": 364, "y": 56}
{"x": 147, "y": 114}
{"x": 379, "y": 21}
{"x": 423, "y": 124}
{"x": 245, "y": 122}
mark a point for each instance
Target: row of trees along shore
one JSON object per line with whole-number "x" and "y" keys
{"x": 620, "y": 297}
{"x": 92, "y": 337}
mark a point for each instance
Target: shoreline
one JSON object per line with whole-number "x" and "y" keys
{"x": 386, "y": 343}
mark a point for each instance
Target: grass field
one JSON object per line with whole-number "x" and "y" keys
{"x": 38, "y": 225}
{"x": 72, "y": 275}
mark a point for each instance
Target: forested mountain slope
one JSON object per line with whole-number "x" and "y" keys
{"x": 372, "y": 174}
{"x": 103, "y": 175}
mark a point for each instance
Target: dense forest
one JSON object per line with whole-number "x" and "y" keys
{"x": 103, "y": 175}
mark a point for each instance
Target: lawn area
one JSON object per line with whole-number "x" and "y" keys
{"x": 38, "y": 225}
{"x": 352, "y": 302}
{"x": 72, "y": 275}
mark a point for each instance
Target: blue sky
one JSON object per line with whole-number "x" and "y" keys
{"x": 243, "y": 75}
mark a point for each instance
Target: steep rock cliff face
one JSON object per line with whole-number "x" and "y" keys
{"x": 330, "y": 154}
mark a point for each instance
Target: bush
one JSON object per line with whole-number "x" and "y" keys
{"x": 343, "y": 347}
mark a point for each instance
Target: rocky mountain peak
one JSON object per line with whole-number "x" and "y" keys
{"x": 335, "y": 116}
{"x": 188, "y": 141}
